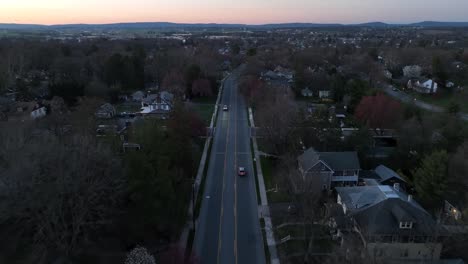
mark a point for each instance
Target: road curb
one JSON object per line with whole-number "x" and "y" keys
{"x": 201, "y": 168}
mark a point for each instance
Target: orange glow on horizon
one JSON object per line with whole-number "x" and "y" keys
{"x": 228, "y": 11}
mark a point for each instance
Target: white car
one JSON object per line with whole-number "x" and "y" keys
{"x": 225, "y": 108}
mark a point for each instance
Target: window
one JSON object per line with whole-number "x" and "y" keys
{"x": 406, "y": 225}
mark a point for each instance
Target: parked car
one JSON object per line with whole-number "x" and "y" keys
{"x": 241, "y": 171}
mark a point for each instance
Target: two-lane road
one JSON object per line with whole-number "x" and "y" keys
{"x": 228, "y": 229}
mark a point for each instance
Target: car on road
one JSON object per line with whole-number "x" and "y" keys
{"x": 225, "y": 108}
{"x": 394, "y": 89}
{"x": 241, "y": 171}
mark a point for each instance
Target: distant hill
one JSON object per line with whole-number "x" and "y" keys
{"x": 169, "y": 25}
{"x": 374, "y": 24}
{"x": 439, "y": 24}
{"x": 21, "y": 26}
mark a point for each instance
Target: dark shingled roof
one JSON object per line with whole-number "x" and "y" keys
{"x": 386, "y": 173}
{"x": 378, "y": 210}
{"x": 308, "y": 159}
{"x": 341, "y": 160}
{"x": 335, "y": 160}
{"x": 384, "y": 218}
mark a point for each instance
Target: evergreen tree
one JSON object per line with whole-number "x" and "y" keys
{"x": 430, "y": 179}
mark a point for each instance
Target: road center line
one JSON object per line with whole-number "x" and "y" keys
{"x": 235, "y": 176}
{"x": 222, "y": 195}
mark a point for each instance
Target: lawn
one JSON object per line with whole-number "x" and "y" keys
{"x": 278, "y": 196}
{"x": 205, "y": 111}
{"x": 204, "y": 100}
{"x": 445, "y": 99}
{"x": 267, "y": 169}
{"x": 129, "y": 108}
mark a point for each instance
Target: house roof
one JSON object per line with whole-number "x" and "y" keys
{"x": 368, "y": 174}
{"x": 380, "y": 209}
{"x": 341, "y": 160}
{"x": 335, "y": 160}
{"x": 106, "y": 108}
{"x": 308, "y": 159}
{"x": 385, "y": 173}
{"x": 385, "y": 217}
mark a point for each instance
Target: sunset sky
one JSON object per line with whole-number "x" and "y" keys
{"x": 230, "y": 11}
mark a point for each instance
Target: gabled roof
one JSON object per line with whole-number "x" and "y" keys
{"x": 384, "y": 218}
{"x": 341, "y": 160}
{"x": 378, "y": 210}
{"x": 334, "y": 160}
{"x": 384, "y": 173}
{"x": 308, "y": 159}
{"x": 107, "y": 107}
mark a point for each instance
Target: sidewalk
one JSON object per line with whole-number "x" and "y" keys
{"x": 264, "y": 210}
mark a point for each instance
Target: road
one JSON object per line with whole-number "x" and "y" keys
{"x": 404, "y": 97}
{"x": 228, "y": 229}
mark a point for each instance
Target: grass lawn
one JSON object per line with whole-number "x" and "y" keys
{"x": 129, "y": 108}
{"x": 293, "y": 247}
{"x": 205, "y": 111}
{"x": 279, "y": 196}
{"x": 267, "y": 169}
{"x": 444, "y": 99}
{"x": 204, "y": 100}
{"x": 294, "y": 231}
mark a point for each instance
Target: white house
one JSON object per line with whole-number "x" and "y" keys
{"x": 426, "y": 87}
{"x": 324, "y": 94}
{"x": 157, "y": 104}
{"x": 39, "y": 112}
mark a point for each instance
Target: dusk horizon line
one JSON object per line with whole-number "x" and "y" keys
{"x": 237, "y": 23}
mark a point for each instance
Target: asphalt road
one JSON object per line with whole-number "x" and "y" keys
{"x": 228, "y": 229}
{"x": 404, "y": 97}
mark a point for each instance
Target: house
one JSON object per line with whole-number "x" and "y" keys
{"x": 159, "y": 104}
{"x": 391, "y": 226}
{"x": 38, "y": 112}
{"x": 324, "y": 93}
{"x": 138, "y": 96}
{"x": 306, "y": 92}
{"x": 329, "y": 169}
{"x": 105, "y": 111}
{"x": 426, "y": 87}
{"x": 388, "y": 74}
{"x": 387, "y": 176}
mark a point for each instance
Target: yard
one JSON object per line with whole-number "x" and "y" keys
{"x": 205, "y": 111}
{"x": 128, "y": 107}
{"x": 444, "y": 99}
{"x": 274, "y": 192}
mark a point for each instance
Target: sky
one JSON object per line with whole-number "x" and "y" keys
{"x": 231, "y": 11}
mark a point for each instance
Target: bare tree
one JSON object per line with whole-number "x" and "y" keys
{"x": 276, "y": 116}
{"x": 61, "y": 190}
{"x": 307, "y": 197}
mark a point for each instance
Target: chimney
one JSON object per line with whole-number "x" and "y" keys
{"x": 396, "y": 186}
{"x": 410, "y": 198}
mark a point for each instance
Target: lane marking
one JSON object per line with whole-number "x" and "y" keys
{"x": 222, "y": 195}
{"x": 235, "y": 176}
